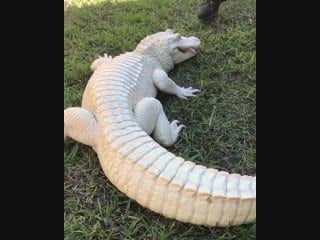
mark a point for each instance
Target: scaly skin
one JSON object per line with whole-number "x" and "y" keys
{"x": 119, "y": 112}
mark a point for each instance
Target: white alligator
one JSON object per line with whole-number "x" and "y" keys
{"x": 119, "y": 113}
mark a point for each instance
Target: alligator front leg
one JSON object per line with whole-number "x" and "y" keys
{"x": 150, "y": 116}
{"x": 81, "y": 125}
{"x": 165, "y": 84}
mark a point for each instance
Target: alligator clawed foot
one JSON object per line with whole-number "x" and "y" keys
{"x": 176, "y": 129}
{"x": 184, "y": 93}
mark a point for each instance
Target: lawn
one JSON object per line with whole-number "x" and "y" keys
{"x": 221, "y": 121}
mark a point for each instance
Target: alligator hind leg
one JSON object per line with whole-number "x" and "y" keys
{"x": 81, "y": 125}
{"x": 150, "y": 116}
{"x": 105, "y": 59}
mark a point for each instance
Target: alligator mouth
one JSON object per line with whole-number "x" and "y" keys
{"x": 186, "y": 50}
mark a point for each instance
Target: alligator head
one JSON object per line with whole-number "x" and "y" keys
{"x": 169, "y": 47}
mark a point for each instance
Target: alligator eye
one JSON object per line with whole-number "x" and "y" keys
{"x": 178, "y": 37}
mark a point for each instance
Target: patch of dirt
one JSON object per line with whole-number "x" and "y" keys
{"x": 67, "y": 5}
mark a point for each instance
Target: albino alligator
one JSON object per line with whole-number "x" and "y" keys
{"x": 119, "y": 112}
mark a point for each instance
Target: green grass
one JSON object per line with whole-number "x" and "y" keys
{"x": 221, "y": 123}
